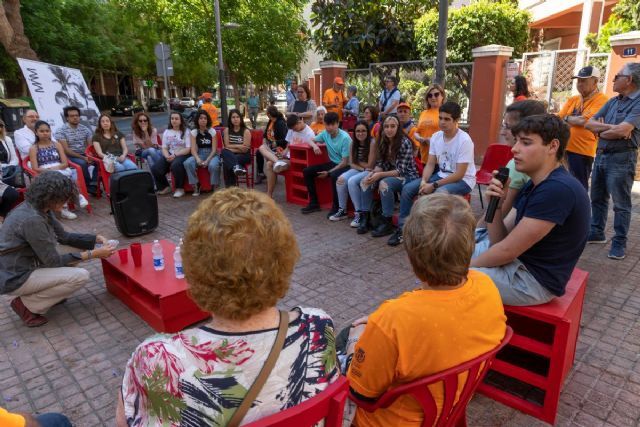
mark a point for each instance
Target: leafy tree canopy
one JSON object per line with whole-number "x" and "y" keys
{"x": 363, "y": 31}
{"x": 481, "y": 23}
{"x": 625, "y": 17}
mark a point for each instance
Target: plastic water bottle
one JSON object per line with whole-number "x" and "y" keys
{"x": 158, "y": 257}
{"x": 177, "y": 261}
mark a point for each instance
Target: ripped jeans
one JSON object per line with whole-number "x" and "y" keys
{"x": 387, "y": 187}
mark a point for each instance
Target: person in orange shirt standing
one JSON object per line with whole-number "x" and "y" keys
{"x": 455, "y": 315}
{"x": 428, "y": 121}
{"x": 333, "y": 98}
{"x": 577, "y": 111}
{"x": 211, "y": 109}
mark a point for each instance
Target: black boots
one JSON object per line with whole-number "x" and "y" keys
{"x": 384, "y": 228}
{"x": 365, "y": 223}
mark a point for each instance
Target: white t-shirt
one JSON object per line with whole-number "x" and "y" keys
{"x": 172, "y": 140}
{"x": 24, "y": 139}
{"x": 450, "y": 154}
{"x": 305, "y": 136}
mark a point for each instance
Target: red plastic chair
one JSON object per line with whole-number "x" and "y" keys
{"x": 82, "y": 188}
{"x": 328, "y": 405}
{"x": 496, "y": 156}
{"x": 103, "y": 176}
{"x": 453, "y": 412}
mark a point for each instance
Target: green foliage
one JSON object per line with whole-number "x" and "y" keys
{"x": 625, "y": 17}
{"x": 481, "y": 23}
{"x": 364, "y": 31}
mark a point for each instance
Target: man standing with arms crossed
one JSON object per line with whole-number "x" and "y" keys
{"x": 578, "y": 109}
{"x": 333, "y": 98}
{"x": 617, "y": 126}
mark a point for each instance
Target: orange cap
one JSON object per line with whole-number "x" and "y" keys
{"x": 338, "y": 81}
{"x": 403, "y": 105}
{"x": 206, "y": 95}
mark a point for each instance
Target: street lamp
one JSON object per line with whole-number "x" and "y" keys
{"x": 223, "y": 85}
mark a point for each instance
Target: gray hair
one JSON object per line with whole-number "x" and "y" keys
{"x": 50, "y": 188}
{"x": 633, "y": 70}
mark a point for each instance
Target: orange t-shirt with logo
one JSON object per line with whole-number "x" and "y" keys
{"x": 212, "y": 111}
{"x": 332, "y": 96}
{"x": 8, "y": 419}
{"x": 317, "y": 127}
{"x": 421, "y": 333}
{"x": 582, "y": 141}
{"x": 427, "y": 126}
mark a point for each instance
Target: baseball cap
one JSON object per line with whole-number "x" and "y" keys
{"x": 206, "y": 95}
{"x": 338, "y": 81}
{"x": 587, "y": 72}
{"x": 403, "y": 105}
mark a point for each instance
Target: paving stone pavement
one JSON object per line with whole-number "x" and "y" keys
{"x": 74, "y": 364}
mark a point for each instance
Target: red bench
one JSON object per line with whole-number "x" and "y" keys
{"x": 541, "y": 352}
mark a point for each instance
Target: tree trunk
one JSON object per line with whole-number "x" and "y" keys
{"x": 12, "y": 34}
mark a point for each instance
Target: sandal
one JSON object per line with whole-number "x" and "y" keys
{"x": 30, "y": 319}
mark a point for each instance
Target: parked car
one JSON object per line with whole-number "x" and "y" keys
{"x": 282, "y": 97}
{"x": 155, "y": 104}
{"x": 174, "y": 104}
{"x": 187, "y": 102}
{"x": 127, "y": 107}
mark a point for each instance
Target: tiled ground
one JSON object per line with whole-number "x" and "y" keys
{"x": 74, "y": 363}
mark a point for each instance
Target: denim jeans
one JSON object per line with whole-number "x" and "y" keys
{"x": 126, "y": 165}
{"x": 53, "y": 420}
{"x": 387, "y": 188}
{"x": 151, "y": 155}
{"x": 90, "y": 180}
{"x": 356, "y": 193}
{"x": 411, "y": 189}
{"x": 343, "y": 189}
{"x": 213, "y": 167}
{"x": 516, "y": 284}
{"x": 163, "y": 166}
{"x": 612, "y": 175}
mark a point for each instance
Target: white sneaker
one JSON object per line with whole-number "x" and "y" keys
{"x": 67, "y": 214}
{"x": 83, "y": 201}
{"x": 178, "y": 193}
{"x": 339, "y": 215}
{"x": 356, "y": 220}
{"x": 239, "y": 170}
{"x": 280, "y": 166}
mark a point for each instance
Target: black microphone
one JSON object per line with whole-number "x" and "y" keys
{"x": 502, "y": 176}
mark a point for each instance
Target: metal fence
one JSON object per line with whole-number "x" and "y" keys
{"x": 414, "y": 78}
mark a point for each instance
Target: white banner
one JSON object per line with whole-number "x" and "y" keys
{"x": 54, "y": 87}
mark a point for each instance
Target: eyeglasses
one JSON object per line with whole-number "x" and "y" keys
{"x": 617, "y": 76}
{"x": 143, "y": 121}
{"x": 433, "y": 95}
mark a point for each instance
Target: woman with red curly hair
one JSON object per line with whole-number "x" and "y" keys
{"x": 203, "y": 374}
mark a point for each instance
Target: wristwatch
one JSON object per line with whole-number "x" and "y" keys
{"x": 435, "y": 185}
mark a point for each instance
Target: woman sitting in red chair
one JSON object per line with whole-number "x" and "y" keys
{"x": 455, "y": 315}
{"x": 45, "y": 155}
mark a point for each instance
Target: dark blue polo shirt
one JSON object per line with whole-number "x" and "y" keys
{"x": 617, "y": 110}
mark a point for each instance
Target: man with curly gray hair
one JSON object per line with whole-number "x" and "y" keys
{"x": 37, "y": 254}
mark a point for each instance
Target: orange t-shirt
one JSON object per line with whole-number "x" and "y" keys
{"x": 582, "y": 141}
{"x": 421, "y": 333}
{"x": 11, "y": 420}
{"x": 427, "y": 126}
{"x": 317, "y": 127}
{"x": 332, "y": 96}
{"x": 212, "y": 111}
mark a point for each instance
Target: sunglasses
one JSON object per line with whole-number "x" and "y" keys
{"x": 433, "y": 95}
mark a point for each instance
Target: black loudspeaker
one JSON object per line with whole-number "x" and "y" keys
{"x": 134, "y": 202}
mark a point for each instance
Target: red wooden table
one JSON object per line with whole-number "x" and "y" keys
{"x": 156, "y": 296}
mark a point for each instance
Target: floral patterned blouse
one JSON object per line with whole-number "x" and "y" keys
{"x": 199, "y": 376}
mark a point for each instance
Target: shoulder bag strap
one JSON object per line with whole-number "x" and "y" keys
{"x": 257, "y": 385}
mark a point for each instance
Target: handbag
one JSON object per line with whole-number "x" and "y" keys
{"x": 257, "y": 385}
{"x": 13, "y": 175}
{"x": 109, "y": 162}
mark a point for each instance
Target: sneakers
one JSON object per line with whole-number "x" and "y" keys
{"x": 178, "y": 193}
{"x": 280, "y": 166}
{"x": 356, "y": 220}
{"x": 239, "y": 170}
{"x": 83, "y": 202}
{"x": 396, "y": 238}
{"x": 67, "y": 214}
{"x": 165, "y": 190}
{"x": 196, "y": 190}
{"x": 30, "y": 319}
{"x": 616, "y": 252}
{"x": 599, "y": 239}
{"x": 339, "y": 215}
{"x": 310, "y": 208}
